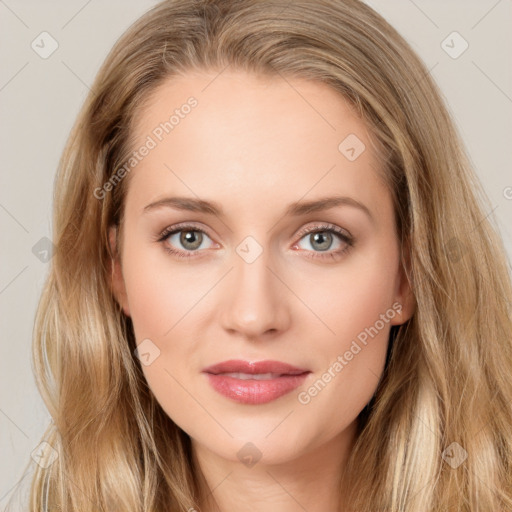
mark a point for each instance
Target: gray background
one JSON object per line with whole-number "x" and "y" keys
{"x": 40, "y": 98}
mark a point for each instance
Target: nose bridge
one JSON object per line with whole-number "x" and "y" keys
{"x": 256, "y": 303}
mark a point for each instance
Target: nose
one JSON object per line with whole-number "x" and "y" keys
{"x": 257, "y": 300}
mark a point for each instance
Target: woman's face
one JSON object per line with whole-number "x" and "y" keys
{"x": 257, "y": 163}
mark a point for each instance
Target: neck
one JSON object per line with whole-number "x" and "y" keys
{"x": 312, "y": 481}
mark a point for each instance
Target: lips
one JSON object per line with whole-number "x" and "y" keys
{"x": 254, "y": 382}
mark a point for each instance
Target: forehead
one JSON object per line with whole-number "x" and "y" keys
{"x": 250, "y": 138}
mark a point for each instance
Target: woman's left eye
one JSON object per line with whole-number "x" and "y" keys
{"x": 322, "y": 237}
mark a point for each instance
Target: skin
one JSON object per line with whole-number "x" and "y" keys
{"x": 254, "y": 145}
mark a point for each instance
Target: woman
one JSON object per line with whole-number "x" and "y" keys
{"x": 195, "y": 347}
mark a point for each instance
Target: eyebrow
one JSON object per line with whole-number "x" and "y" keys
{"x": 295, "y": 209}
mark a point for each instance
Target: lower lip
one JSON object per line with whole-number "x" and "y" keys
{"x": 255, "y": 391}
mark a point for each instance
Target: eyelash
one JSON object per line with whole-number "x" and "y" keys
{"x": 329, "y": 228}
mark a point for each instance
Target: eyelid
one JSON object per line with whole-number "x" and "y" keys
{"x": 304, "y": 231}
{"x": 325, "y": 226}
{"x": 183, "y": 226}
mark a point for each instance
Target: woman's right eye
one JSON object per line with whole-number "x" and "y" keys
{"x": 190, "y": 238}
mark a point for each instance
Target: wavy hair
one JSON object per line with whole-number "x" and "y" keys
{"x": 448, "y": 376}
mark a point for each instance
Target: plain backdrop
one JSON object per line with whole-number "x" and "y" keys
{"x": 40, "y": 98}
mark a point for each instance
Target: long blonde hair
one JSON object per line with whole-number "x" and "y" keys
{"x": 448, "y": 377}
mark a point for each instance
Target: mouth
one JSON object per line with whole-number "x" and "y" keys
{"x": 254, "y": 382}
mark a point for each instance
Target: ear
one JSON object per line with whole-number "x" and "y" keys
{"x": 117, "y": 284}
{"x": 404, "y": 303}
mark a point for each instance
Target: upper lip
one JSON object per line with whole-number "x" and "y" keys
{"x": 239, "y": 366}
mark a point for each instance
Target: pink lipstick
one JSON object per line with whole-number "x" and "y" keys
{"x": 254, "y": 383}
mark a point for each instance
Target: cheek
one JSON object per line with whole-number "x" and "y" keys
{"x": 355, "y": 306}
{"x": 162, "y": 297}
{"x": 352, "y": 296}
{"x": 160, "y": 293}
